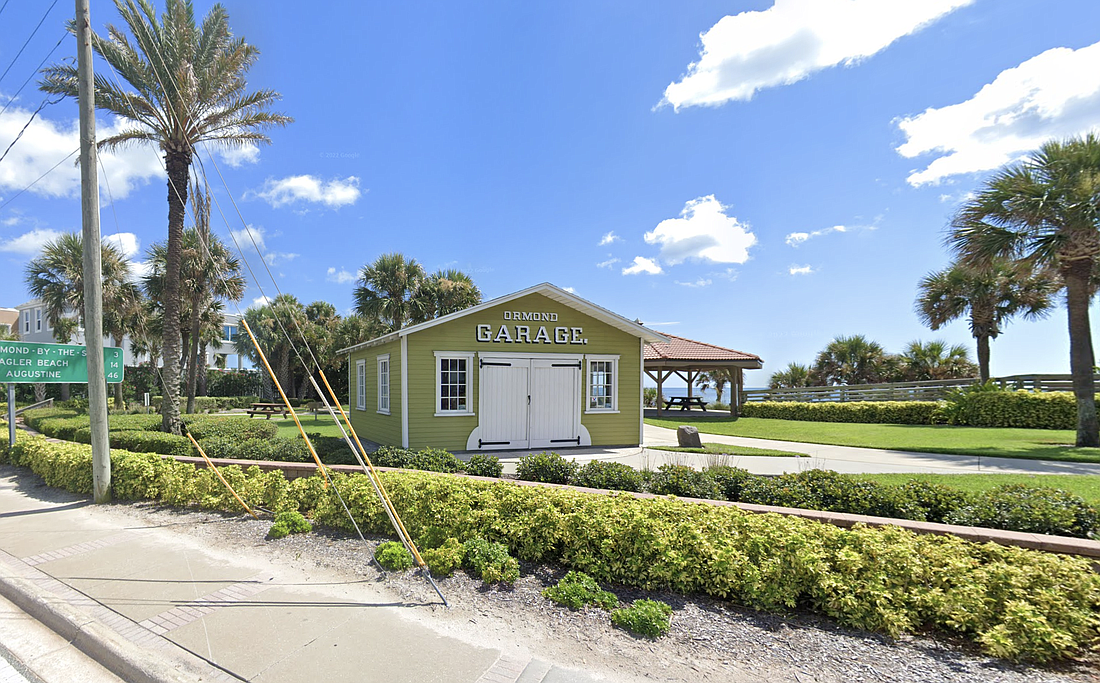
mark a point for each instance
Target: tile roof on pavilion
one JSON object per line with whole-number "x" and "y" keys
{"x": 682, "y": 349}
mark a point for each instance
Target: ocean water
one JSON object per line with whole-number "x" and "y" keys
{"x": 708, "y": 395}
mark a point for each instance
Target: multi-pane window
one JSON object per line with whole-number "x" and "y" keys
{"x": 26, "y": 321}
{"x": 360, "y": 385}
{"x": 384, "y": 384}
{"x": 454, "y": 385}
{"x": 38, "y": 320}
{"x": 602, "y": 378}
{"x": 229, "y": 332}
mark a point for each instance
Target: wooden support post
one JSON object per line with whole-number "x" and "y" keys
{"x": 660, "y": 393}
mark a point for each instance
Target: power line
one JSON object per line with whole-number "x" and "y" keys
{"x": 28, "y": 37}
{"x": 3, "y": 6}
{"x": 33, "y": 182}
{"x": 45, "y": 103}
{"x": 36, "y": 70}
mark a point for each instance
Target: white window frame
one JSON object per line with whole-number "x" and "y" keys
{"x": 360, "y": 385}
{"x": 38, "y": 320}
{"x": 27, "y": 321}
{"x": 384, "y": 396}
{"x": 601, "y": 358}
{"x": 467, "y": 356}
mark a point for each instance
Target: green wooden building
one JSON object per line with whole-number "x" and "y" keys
{"x": 540, "y": 368}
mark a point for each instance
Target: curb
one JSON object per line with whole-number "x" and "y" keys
{"x": 125, "y": 659}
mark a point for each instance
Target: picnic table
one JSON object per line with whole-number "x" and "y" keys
{"x": 267, "y": 410}
{"x": 685, "y": 402}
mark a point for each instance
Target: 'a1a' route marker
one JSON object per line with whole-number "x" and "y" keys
{"x": 30, "y": 362}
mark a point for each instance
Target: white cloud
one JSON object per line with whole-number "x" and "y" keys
{"x": 250, "y": 237}
{"x": 139, "y": 269}
{"x": 570, "y": 290}
{"x": 1055, "y": 94}
{"x": 340, "y": 277}
{"x": 29, "y": 243}
{"x": 126, "y": 242}
{"x": 276, "y": 257}
{"x": 801, "y": 270}
{"x": 796, "y": 238}
{"x": 787, "y": 42}
{"x": 662, "y": 324}
{"x": 306, "y": 188}
{"x": 701, "y": 282}
{"x": 608, "y": 263}
{"x": 642, "y": 265}
{"x": 261, "y": 301}
{"x": 46, "y": 142}
{"x": 703, "y": 231}
{"x": 610, "y": 238}
{"x": 239, "y": 156}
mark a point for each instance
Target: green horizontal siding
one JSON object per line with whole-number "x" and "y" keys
{"x": 369, "y": 423}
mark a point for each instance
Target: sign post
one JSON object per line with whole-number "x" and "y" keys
{"x": 11, "y": 415}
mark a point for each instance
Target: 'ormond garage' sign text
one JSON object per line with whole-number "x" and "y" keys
{"x": 529, "y": 334}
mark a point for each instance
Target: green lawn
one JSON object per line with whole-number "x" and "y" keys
{"x": 1085, "y": 486}
{"x": 1035, "y": 444}
{"x": 727, "y": 449}
{"x": 321, "y": 424}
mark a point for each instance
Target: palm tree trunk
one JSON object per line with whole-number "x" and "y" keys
{"x": 200, "y": 382}
{"x": 177, "y": 162}
{"x": 1081, "y": 359}
{"x": 983, "y": 358}
{"x": 192, "y": 361}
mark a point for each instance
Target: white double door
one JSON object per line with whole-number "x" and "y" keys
{"x": 529, "y": 402}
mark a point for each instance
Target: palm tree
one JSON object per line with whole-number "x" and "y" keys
{"x": 716, "y": 378}
{"x": 989, "y": 296}
{"x": 794, "y": 375}
{"x": 56, "y": 276}
{"x": 267, "y": 322}
{"x": 936, "y": 360}
{"x": 188, "y": 87}
{"x": 387, "y": 291}
{"x": 851, "y": 360}
{"x": 1045, "y": 212}
{"x": 445, "y": 292}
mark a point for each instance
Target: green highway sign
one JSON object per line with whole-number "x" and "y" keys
{"x": 30, "y": 362}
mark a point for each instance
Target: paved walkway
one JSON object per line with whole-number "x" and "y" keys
{"x": 197, "y": 612}
{"x": 847, "y": 459}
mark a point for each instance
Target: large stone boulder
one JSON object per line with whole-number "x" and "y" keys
{"x": 688, "y": 437}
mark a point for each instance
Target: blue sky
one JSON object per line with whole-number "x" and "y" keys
{"x": 759, "y": 175}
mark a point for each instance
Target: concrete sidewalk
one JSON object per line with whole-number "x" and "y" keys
{"x": 156, "y": 605}
{"x": 846, "y": 459}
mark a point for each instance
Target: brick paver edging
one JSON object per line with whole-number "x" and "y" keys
{"x": 1054, "y": 544}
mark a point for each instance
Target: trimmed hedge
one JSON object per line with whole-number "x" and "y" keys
{"x": 1027, "y": 409}
{"x": 202, "y": 427}
{"x": 877, "y": 412}
{"x": 1014, "y": 603}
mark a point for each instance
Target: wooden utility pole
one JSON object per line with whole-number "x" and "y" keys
{"x": 93, "y": 279}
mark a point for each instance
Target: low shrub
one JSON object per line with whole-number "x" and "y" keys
{"x": 730, "y": 480}
{"x": 434, "y": 460}
{"x": 880, "y": 412}
{"x": 683, "y": 481}
{"x": 151, "y": 442}
{"x": 33, "y": 418}
{"x": 549, "y": 468}
{"x": 1031, "y": 509}
{"x": 391, "y": 456}
{"x": 1026, "y": 409}
{"x": 393, "y": 556}
{"x": 241, "y": 428}
{"x": 289, "y": 522}
{"x": 649, "y": 618}
{"x": 1014, "y": 603}
{"x": 445, "y": 559}
{"x": 577, "y": 589}
{"x": 482, "y": 465}
{"x": 828, "y": 490}
{"x": 607, "y": 474}
{"x": 937, "y": 500}
{"x": 490, "y": 561}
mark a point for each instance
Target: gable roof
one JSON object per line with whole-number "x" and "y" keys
{"x": 546, "y": 289}
{"x": 683, "y": 349}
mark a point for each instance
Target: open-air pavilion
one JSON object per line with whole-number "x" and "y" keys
{"x": 687, "y": 358}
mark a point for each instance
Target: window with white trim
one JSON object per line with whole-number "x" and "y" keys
{"x": 38, "y": 320}
{"x": 602, "y": 384}
{"x": 384, "y": 384}
{"x": 360, "y": 385}
{"x": 452, "y": 385}
{"x": 26, "y": 321}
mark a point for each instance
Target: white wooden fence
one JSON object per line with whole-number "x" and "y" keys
{"x": 907, "y": 391}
